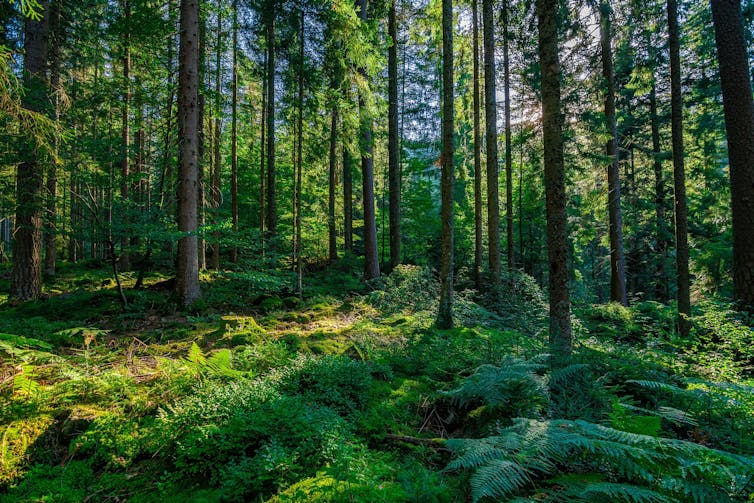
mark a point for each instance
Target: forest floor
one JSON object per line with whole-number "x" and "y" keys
{"x": 350, "y": 394}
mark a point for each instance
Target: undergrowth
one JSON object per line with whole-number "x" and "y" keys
{"x": 351, "y": 394}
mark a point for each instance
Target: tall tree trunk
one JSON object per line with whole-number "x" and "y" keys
{"x": 271, "y": 205}
{"x": 332, "y": 180}
{"x": 617, "y": 258}
{"x": 215, "y": 178}
{"x": 125, "y": 261}
{"x": 262, "y": 158}
{"x": 234, "y": 136}
{"x": 200, "y": 186}
{"x": 478, "y": 237}
{"x": 56, "y": 36}
{"x": 394, "y": 180}
{"x": 445, "y": 311}
{"x": 660, "y": 225}
{"x": 299, "y": 167}
{"x": 739, "y": 126}
{"x": 371, "y": 262}
{"x": 557, "y": 234}
{"x": 187, "y": 267}
{"x": 679, "y": 173}
{"x": 347, "y": 200}
{"x": 508, "y": 147}
{"x": 490, "y": 118}
{"x": 26, "y": 281}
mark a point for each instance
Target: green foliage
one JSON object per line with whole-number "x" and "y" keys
{"x": 639, "y": 467}
{"x": 512, "y": 389}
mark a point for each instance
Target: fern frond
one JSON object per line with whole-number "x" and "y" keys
{"x": 500, "y": 477}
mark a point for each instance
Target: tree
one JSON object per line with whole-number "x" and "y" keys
{"x": 57, "y": 31}
{"x": 26, "y": 281}
{"x": 617, "y": 259}
{"x": 679, "y": 173}
{"x": 187, "y": 264}
{"x": 394, "y": 175}
{"x": 739, "y": 125}
{"x": 234, "y": 134}
{"x": 552, "y": 133}
{"x": 271, "y": 207}
{"x": 125, "y": 160}
{"x": 445, "y": 311}
{"x": 490, "y": 120}
{"x": 371, "y": 261}
{"x": 508, "y": 144}
{"x": 478, "y": 238}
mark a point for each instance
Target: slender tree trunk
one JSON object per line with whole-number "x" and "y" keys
{"x": 557, "y": 233}
{"x": 679, "y": 173}
{"x": 490, "y": 119}
{"x": 332, "y": 244}
{"x": 299, "y": 164}
{"x": 660, "y": 225}
{"x": 394, "y": 181}
{"x": 56, "y": 35}
{"x": 617, "y": 258}
{"x": 234, "y": 136}
{"x": 271, "y": 204}
{"x": 26, "y": 281}
{"x": 347, "y": 200}
{"x": 371, "y": 262}
{"x": 125, "y": 261}
{"x": 201, "y": 193}
{"x": 215, "y": 176}
{"x": 478, "y": 237}
{"x": 508, "y": 147}
{"x": 262, "y": 159}
{"x": 739, "y": 126}
{"x": 445, "y": 312}
{"x": 187, "y": 267}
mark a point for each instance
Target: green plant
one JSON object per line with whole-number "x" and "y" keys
{"x": 631, "y": 467}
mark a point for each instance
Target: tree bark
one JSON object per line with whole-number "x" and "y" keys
{"x": 215, "y": 176}
{"x": 332, "y": 181}
{"x": 660, "y": 225}
{"x": 55, "y": 56}
{"x": 490, "y": 118}
{"x": 679, "y": 173}
{"x": 234, "y": 136}
{"x": 394, "y": 180}
{"x": 445, "y": 311}
{"x": 617, "y": 258}
{"x": 557, "y": 234}
{"x": 271, "y": 208}
{"x": 125, "y": 261}
{"x": 508, "y": 147}
{"x": 26, "y": 281}
{"x": 739, "y": 126}
{"x": 347, "y": 200}
{"x": 371, "y": 261}
{"x": 187, "y": 264}
{"x": 478, "y": 236}
{"x": 299, "y": 167}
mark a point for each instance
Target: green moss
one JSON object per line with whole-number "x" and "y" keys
{"x": 18, "y": 438}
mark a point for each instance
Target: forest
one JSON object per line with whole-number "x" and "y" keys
{"x": 376, "y": 251}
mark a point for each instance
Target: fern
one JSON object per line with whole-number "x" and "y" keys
{"x": 218, "y": 365}
{"x": 638, "y": 468}
{"x": 514, "y": 386}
